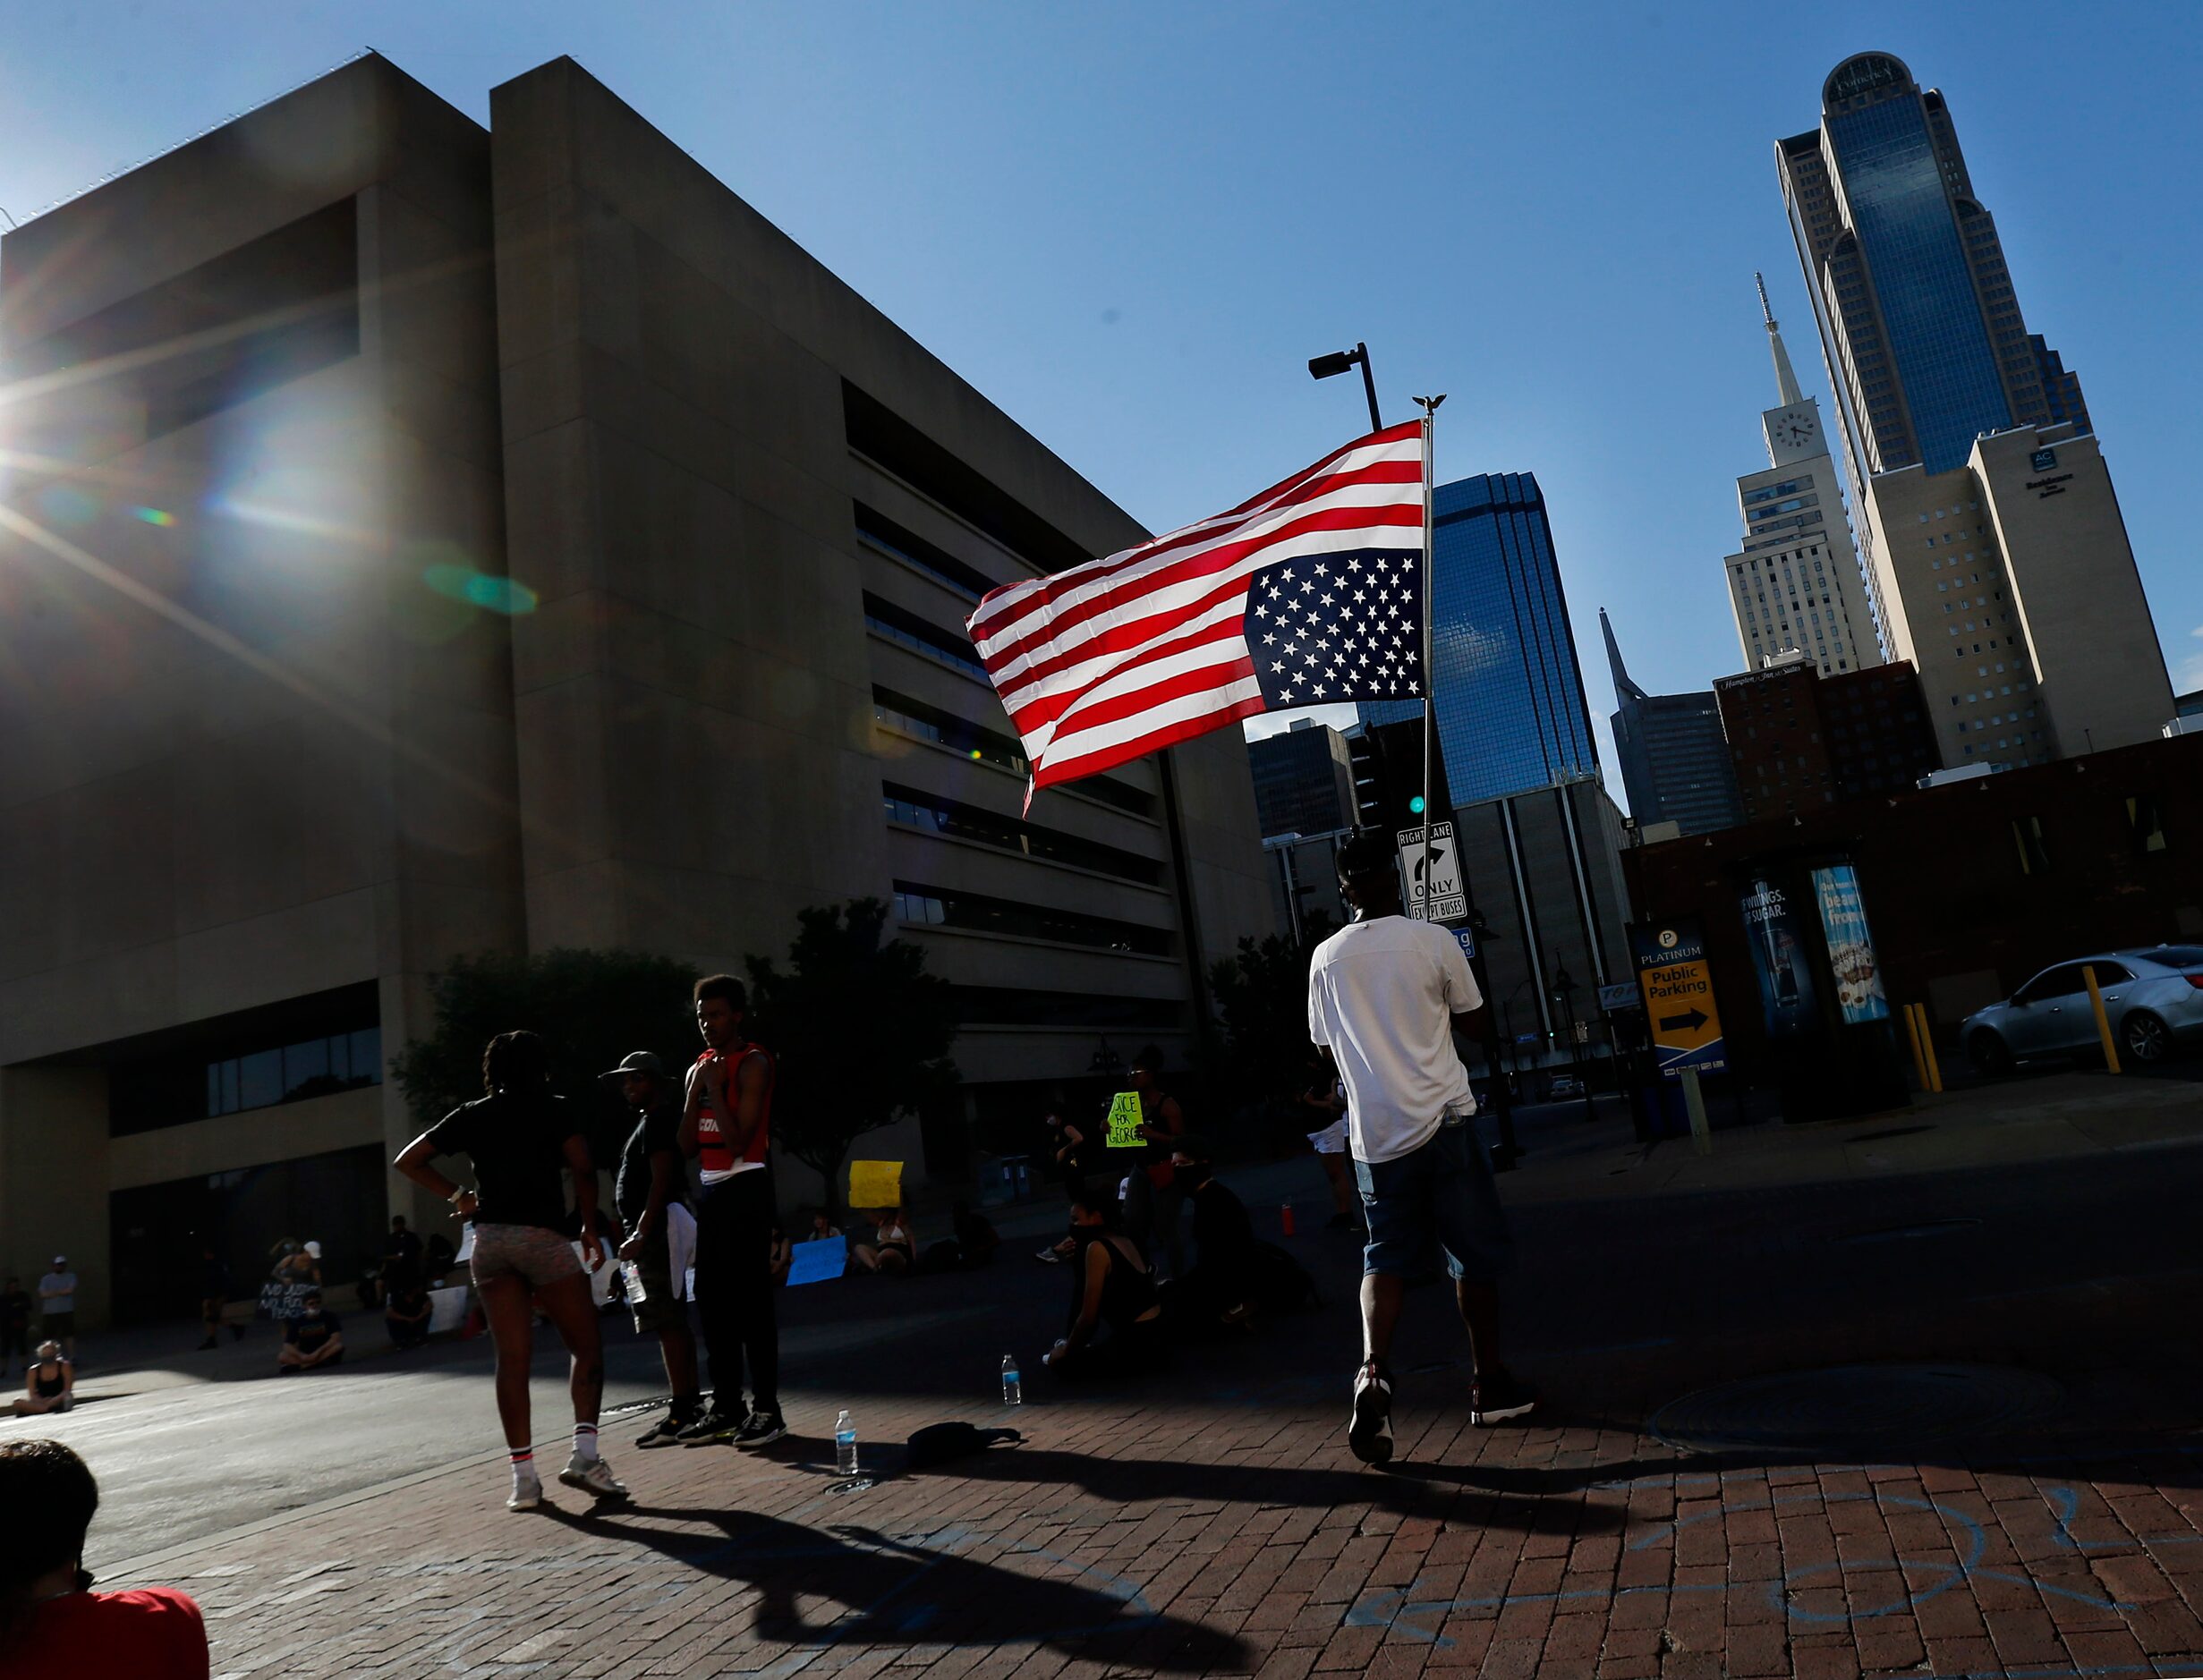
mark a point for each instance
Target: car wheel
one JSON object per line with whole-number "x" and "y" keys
{"x": 1989, "y": 1053}
{"x": 2143, "y": 1037}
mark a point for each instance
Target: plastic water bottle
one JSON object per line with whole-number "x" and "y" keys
{"x": 1013, "y": 1385}
{"x": 845, "y": 1444}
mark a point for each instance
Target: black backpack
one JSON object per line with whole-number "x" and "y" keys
{"x": 942, "y": 1442}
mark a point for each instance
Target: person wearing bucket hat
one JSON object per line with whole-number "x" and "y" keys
{"x": 651, "y": 1196}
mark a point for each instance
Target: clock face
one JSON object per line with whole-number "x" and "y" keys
{"x": 1795, "y": 429}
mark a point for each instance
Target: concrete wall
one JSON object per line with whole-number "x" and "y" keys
{"x": 253, "y": 754}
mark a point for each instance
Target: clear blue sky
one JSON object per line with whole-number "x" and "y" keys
{"x": 1130, "y": 226}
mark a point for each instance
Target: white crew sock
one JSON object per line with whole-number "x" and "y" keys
{"x": 585, "y": 1442}
{"x": 524, "y": 1465}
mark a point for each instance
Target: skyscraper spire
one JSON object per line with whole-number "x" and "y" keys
{"x": 1785, "y": 381}
{"x": 1624, "y": 689}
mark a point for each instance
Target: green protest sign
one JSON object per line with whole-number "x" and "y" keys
{"x": 1125, "y": 1121}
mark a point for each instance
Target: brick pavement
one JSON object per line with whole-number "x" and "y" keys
{"x": 1139, "y": 1533}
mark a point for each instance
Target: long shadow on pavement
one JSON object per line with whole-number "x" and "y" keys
{"x": 920, "y": 1589}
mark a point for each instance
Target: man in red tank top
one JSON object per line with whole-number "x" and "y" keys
{"x": 727, "y": 1125}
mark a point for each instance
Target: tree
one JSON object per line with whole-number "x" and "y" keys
{"x": 1262, "y": 999}
{"x": 859, "y": 1030}
{"x": 591, "y": 1006}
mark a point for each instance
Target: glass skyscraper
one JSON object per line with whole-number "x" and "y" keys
{"x": 1924, "y": 342}
{"x": 1510, "y": 699}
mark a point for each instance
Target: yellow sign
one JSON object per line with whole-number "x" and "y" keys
{"x": 1126, "y": 1119}
{"x": 1678, "y": 1005}
{"x": 875, "y": 1184}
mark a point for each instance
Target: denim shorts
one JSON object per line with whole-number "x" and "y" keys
{"x": 1436, "y": 1199}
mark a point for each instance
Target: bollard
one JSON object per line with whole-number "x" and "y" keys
{"x": 1912, "y": 1036}
{"x": 1927, "y": 1049}
{"x": 1285, "y": 1217}
{"x": 2102, "y": 1020}
{"x": 1701, "y": 1134}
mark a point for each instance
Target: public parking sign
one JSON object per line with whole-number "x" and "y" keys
{"x": 1442, "y": 892}
{"x": 1678, "y": 988}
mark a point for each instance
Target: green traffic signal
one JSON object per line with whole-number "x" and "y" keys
{"x": 1414, "y": 806}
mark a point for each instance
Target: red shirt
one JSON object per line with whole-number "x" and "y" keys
{"x": 154, "y": 1633}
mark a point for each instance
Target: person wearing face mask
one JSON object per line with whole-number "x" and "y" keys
{"x": 51, "y": 1621}
{"x": 1115, "y": 1325}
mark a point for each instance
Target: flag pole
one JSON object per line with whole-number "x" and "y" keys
{"x": 1429, "y": 405}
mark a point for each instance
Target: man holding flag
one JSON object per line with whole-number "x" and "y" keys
{"x": 1313, "y": 592}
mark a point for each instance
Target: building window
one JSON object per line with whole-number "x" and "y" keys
{"x": 884, "y": 618}
{"x": 2027, "y": 838}
{"x": 941, "y": 906}
{"x": 912, "y": 808}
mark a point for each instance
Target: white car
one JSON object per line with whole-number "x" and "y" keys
{"x": 2152, "y": 997}
{"x": 1566, "y": 1085}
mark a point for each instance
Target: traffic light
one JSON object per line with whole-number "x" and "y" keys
{"x": 1387, "y": 762}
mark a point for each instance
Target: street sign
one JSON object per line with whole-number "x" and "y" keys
{"x": 1677, "y": 985}
{"x": 1624, "y": 996}
{"x": 1447, "y": 898}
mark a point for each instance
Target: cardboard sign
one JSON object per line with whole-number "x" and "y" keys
{"x": 819, "y": 1260}
{"x": 1126, "y": 1119}
{"x": 875, "y": 1184}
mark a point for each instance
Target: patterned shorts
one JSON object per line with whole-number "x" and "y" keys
{"x": 537, "y": 1257}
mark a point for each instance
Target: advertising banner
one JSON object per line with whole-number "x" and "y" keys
{"x": 1850, "y": 952}
{"x": 1779, "y": 959}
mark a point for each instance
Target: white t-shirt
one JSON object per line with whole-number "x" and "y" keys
{"x": 1381, "y": 995}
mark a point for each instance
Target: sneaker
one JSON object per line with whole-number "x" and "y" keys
{"x": 713, "y": 1426}
{"x": 667, "y": 1430}
{"x": 1495, "y": 1398}
{"x": 760, "y": 1428}
{"x": 1049, "y": 1257}
{"x": 1370, "y": 1431}
{"x": 592, "y": 1475}
{"x": 527, "y": 1489}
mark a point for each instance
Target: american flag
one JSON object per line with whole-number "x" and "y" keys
{"x": 1305, "y": 595}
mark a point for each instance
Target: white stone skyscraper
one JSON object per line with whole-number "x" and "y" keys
{"x": 1795, "y": 583}
{"x": 1994, "y": 550}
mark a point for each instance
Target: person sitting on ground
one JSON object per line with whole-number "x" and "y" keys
{"x": 892, "y": 1251}
{"x": 783, "y": 1253}
{"x": 51, "y": 1621}
{"x": 50, "y": 1384}
{"x": 15, "y": 1325}
{"x": 312, "y": 1339}
{"x": 1113, "y": 1289}
{"x": 406, "y": 1312}
{"x": 973, "y": 1246}
{"x": 823, "y": 1226}
{"x": 1236, "y": 1274}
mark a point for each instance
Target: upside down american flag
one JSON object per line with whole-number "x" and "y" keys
{"x": 1307, "y": 594}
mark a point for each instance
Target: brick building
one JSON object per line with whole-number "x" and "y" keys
{"x": 1799, "y": 741}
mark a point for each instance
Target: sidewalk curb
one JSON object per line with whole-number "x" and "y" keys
{"x": 149, "y": 1561}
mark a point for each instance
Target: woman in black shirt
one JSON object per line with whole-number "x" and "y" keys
{"x": 523, "y": 1140}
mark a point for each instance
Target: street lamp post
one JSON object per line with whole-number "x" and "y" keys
{"x": 1339, "y": 361}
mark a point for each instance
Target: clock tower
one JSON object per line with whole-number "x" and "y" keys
{"x": 1796, "y": 586}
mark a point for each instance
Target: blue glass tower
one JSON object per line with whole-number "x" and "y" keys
{"x": 1925, "y": 345}
{"x": 1511, "y": 697}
